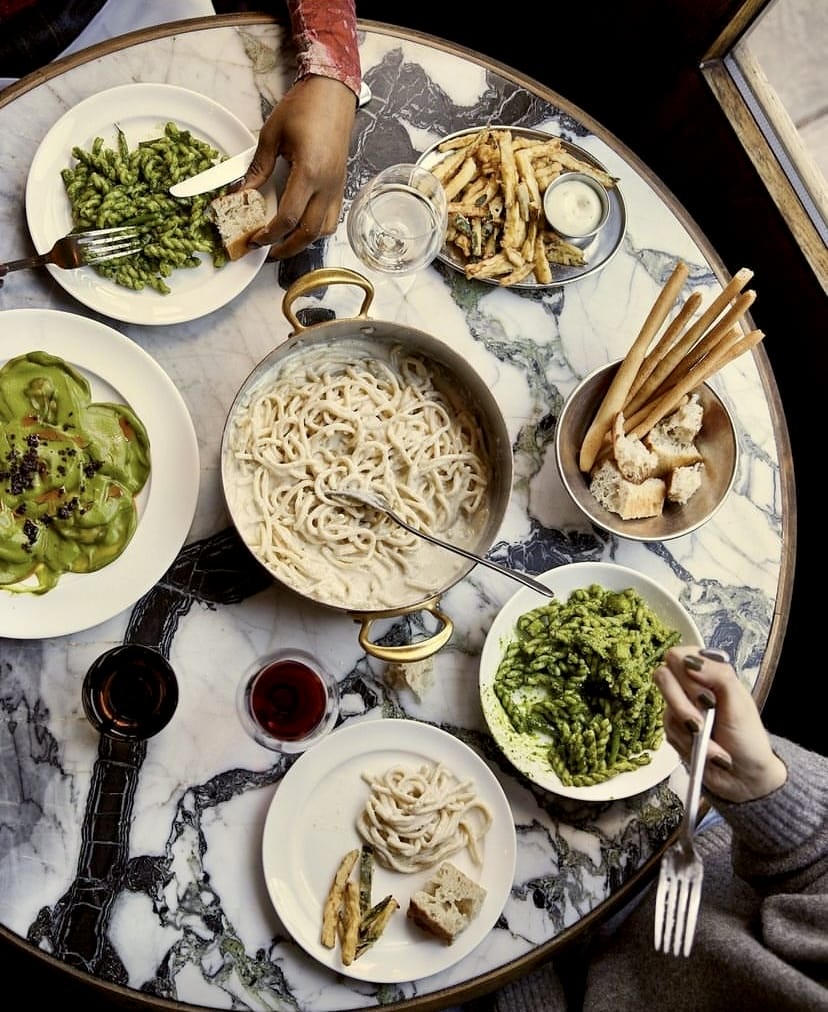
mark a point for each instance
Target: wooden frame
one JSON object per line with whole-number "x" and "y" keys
{"x": 732, "y": 72}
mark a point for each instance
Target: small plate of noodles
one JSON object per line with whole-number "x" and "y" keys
{"x": 359, "y": 786}
{"x": 566, "y": 683}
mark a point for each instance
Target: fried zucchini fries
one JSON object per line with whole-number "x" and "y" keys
{"x": 494, "y": 182}
{"x": 348, "y": 913}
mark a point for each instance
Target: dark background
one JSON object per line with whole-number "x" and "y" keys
{"x": 634, "y": 67}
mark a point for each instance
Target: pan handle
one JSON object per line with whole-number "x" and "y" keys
{"x": 411, "y": 651}
{"x": 319, "y": 279}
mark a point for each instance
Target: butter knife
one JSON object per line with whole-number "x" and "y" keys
{"x": 231, "y": 169}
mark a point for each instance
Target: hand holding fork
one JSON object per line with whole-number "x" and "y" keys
{"x": 82, "y": 249}
{"x": 681, "y": 874}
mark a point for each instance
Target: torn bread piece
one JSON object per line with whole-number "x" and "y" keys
{"x": 630, "y": 500}
{"x": 447, "y": 903}
{"x": 238, "y": 216}
{"x": 684, "y": 482}
{"x": 415, "y": 675}
{"x": 672, "y": 440}
{"x": 634, "y": 460}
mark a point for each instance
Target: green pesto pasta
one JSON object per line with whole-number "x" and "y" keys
{"x": 121, "y": 186}
{"x": 580, "y": 672}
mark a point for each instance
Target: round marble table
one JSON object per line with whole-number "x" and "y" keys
{"x": 180, "y": 912}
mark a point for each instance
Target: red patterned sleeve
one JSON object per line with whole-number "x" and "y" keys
{"x": 325, "y": 35}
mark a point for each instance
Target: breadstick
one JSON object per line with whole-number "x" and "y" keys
{"x": 704, "y": 347}
{"x": 689, "y": 350}
{"x": 726, "y": 351}
{"x": 616, "y": 395}
{"x": 664, "y": 343}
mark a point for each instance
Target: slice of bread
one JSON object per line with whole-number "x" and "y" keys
{"x": 238, "y": 216}
{"x": 447, "y": 903}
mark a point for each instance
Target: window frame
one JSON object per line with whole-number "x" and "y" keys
{"x": 769, "y": 138}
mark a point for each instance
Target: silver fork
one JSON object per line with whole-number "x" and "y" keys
{"x": 81, "y": 249}
{"x": 680, "y": 877}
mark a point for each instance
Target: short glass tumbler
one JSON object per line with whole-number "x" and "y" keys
{"x": 287, "y": 701}
{"x": 130, "y": 692}
{"x": 397, "y": 222}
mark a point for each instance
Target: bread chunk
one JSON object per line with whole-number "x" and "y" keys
{"x": 685, "y": 423}
{"x": 238, "y": 216}
{"x": 684, "y": 482}
{"x": 672, "y": 439}
{"x": 447, "y": 904}
{"x": 629, "y": 500}
{"x": 415, "y": 675}
{"x": 635, "y": 461}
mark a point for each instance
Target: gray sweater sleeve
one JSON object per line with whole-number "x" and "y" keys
{"x": 780, "y": 842}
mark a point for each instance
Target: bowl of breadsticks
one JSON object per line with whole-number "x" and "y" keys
{"x": 645, "y": 446}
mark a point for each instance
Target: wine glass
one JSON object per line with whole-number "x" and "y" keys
{"x": 397, "y": 222}
{"x": 287, "y": 700}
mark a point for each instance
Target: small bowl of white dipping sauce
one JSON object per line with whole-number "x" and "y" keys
{"x": 576, "y": 205}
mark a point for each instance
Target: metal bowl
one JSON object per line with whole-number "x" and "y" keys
{"x": 716, "y": 443}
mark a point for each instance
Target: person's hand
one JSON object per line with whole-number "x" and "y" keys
{"x": 741, "y": 765}
{"x": 311, "y": 129}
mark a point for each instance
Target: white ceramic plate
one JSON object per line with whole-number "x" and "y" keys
{"x": 141, "y": 111}
{"x": 598, "y": 253}
{"x": 120, "y": 371}
{"x": 526, "y": 751}
{"x": 311, "y": 825}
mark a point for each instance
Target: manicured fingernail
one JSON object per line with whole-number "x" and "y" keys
{"x": 693, "y": 662}
{"x": 722, "y": 763}
{"x": 692, "y": 725}
{"x": 714, "y": 654}
{"x": 706, "y": 700}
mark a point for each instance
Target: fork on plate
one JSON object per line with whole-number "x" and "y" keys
{"x": 681, "y": 873}
{"x": 82, "y": 249}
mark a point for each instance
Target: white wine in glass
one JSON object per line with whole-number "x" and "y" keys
{"x": 397, "y": 222}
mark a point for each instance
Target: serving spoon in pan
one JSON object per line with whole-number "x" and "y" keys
{"x": 377, "y": 502}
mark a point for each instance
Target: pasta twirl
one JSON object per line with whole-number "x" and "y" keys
{"x": 416, "y": 817}
{"x": 347, "y": 417}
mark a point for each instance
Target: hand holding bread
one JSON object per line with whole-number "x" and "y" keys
{"x": 238, "y": 215}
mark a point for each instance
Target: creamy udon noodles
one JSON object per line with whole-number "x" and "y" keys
{"x": 361, "y": 416}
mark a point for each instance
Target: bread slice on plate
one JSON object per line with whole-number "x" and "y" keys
{"x": 447, "y": 903}
{"x": 238, "y": 216}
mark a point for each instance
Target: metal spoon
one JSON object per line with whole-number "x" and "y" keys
{"x": 377, "y": 502}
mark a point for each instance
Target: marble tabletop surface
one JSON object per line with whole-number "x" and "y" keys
{"x": 183, "y": 914}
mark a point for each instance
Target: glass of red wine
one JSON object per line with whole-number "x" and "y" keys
{"x": 287, "y": 700}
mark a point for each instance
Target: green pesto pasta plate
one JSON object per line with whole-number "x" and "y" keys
{"x": 565, "y": 684}
{"x": 134, "y": 113}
